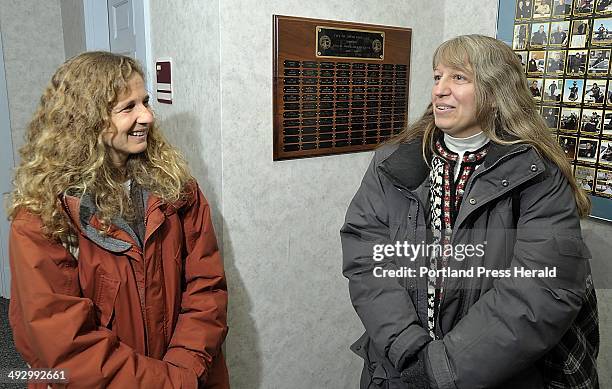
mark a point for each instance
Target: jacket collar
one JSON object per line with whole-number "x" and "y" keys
{"x": 499, "y": 151}
{"x": 407, "y": 169}
{"x": 121, "y": 237}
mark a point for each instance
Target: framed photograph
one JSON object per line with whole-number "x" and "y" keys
{"x": 603, "y": 7}
{"x": 570, "y": 118}
{"x": 605, "y": 152}
{"x": 573, "y": 91}
{"x": 602, "y": 32}
{"x": 559, "y": 34}
{"x": 552, "y": 90}
{"x": 535, "y": 65}
{"x": 580, "y": 31}
{"x": 519, "y": 41}
{"x": 603, "y": 185}
{"x": 561, "y": 8}
{"x": 583, "y": 7}
{"x": 542, "y": 9}
{"x": 539, "y": 35}
{"x": 587, "y": 150}
{"x": 535, "y": 87}
{"x": 609, "y": 95}
{"x": 606, "y": 131}
{"x": 524, "y": 9}
{"x": 568, "y": 145}
{"x": 594, "y": 93}
{"x": 551, "y": 116}
{"x": 585, "y": 177}
{"x": 576, "y": 62}
{"x": 555, "y": 63}
{"x": 590, "y": 125}
{"x": 599, "y": 62}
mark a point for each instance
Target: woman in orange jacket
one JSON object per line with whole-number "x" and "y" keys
{"x": 116, "y": 273}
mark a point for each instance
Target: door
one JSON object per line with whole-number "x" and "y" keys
{"x": 6, "y": 171}
{"x": 119, "y": 26}
{"x": 122, "y": 31}
{"x": 128, "y": 30}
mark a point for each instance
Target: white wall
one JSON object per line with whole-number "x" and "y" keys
{"x": 33, "y": 47}
{"x": 292, "y": 320}
{"x": 188, "y": 32}
{"x": 470, "y": 17}
{"x": 6, "y": 163}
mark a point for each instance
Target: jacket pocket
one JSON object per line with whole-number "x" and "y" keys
{"x": 377, "y": 373}
{"x": 104, "y": 298}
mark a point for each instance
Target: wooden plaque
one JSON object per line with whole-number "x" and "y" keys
{"x": 339, "y": 87}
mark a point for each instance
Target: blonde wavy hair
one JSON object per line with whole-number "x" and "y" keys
{"x": 64, "y": 153}
{"x": 505, "y": 108}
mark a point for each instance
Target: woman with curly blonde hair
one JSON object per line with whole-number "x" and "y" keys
{"x": 116, "y": 273}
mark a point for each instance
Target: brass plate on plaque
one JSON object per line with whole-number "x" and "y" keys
{"x": 339, "y": 87}
{"x": 349, "y": 43}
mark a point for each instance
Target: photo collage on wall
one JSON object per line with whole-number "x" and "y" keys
{"x": 565, "y": 48}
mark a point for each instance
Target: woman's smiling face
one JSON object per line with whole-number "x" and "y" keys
{"x": 132, "y": 118}
{"x": 454, "y": 102}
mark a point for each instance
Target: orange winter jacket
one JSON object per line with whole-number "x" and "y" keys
{"x": 114, "y": 314}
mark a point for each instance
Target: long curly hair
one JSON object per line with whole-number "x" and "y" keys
{"x": 64, "y": 153}
{"x": 505, "y": 107}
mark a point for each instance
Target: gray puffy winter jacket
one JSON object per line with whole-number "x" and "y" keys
{"x": 493, "y": 331}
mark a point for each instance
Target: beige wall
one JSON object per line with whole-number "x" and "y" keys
{"x": 33, "y": 48}
{"x": 470, "y": 17}
{"x": 188, "y": 32}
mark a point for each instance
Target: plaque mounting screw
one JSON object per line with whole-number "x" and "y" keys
{"x": 318, "y": 53}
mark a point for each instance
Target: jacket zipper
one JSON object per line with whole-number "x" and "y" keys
{"x": 411, "y": 196}
{"x": 463, "y": 308}
{"x": 478, "y": 174}
{"x": 143, "y": 302}
{"x": 144, "y": 292}
{"x": 144, "y": 274}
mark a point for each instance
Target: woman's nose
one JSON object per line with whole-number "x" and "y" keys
{"x": 441, "y": 87}
{"x": 145, "y": 116}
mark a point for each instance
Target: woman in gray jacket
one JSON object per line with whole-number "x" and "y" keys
{"x": 463, "y": 248}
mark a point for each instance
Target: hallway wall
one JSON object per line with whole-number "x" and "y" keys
{"x": 33, "y": 48}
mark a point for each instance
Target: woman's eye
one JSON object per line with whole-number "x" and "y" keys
{"x": 459, "y": 77}
{"x": 128, "y": 108}
{"x": 437, "y": 77}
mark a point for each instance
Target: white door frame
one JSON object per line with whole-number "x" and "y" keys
{"x": 7, "y": 162}
{"x": 95, "y": 14}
